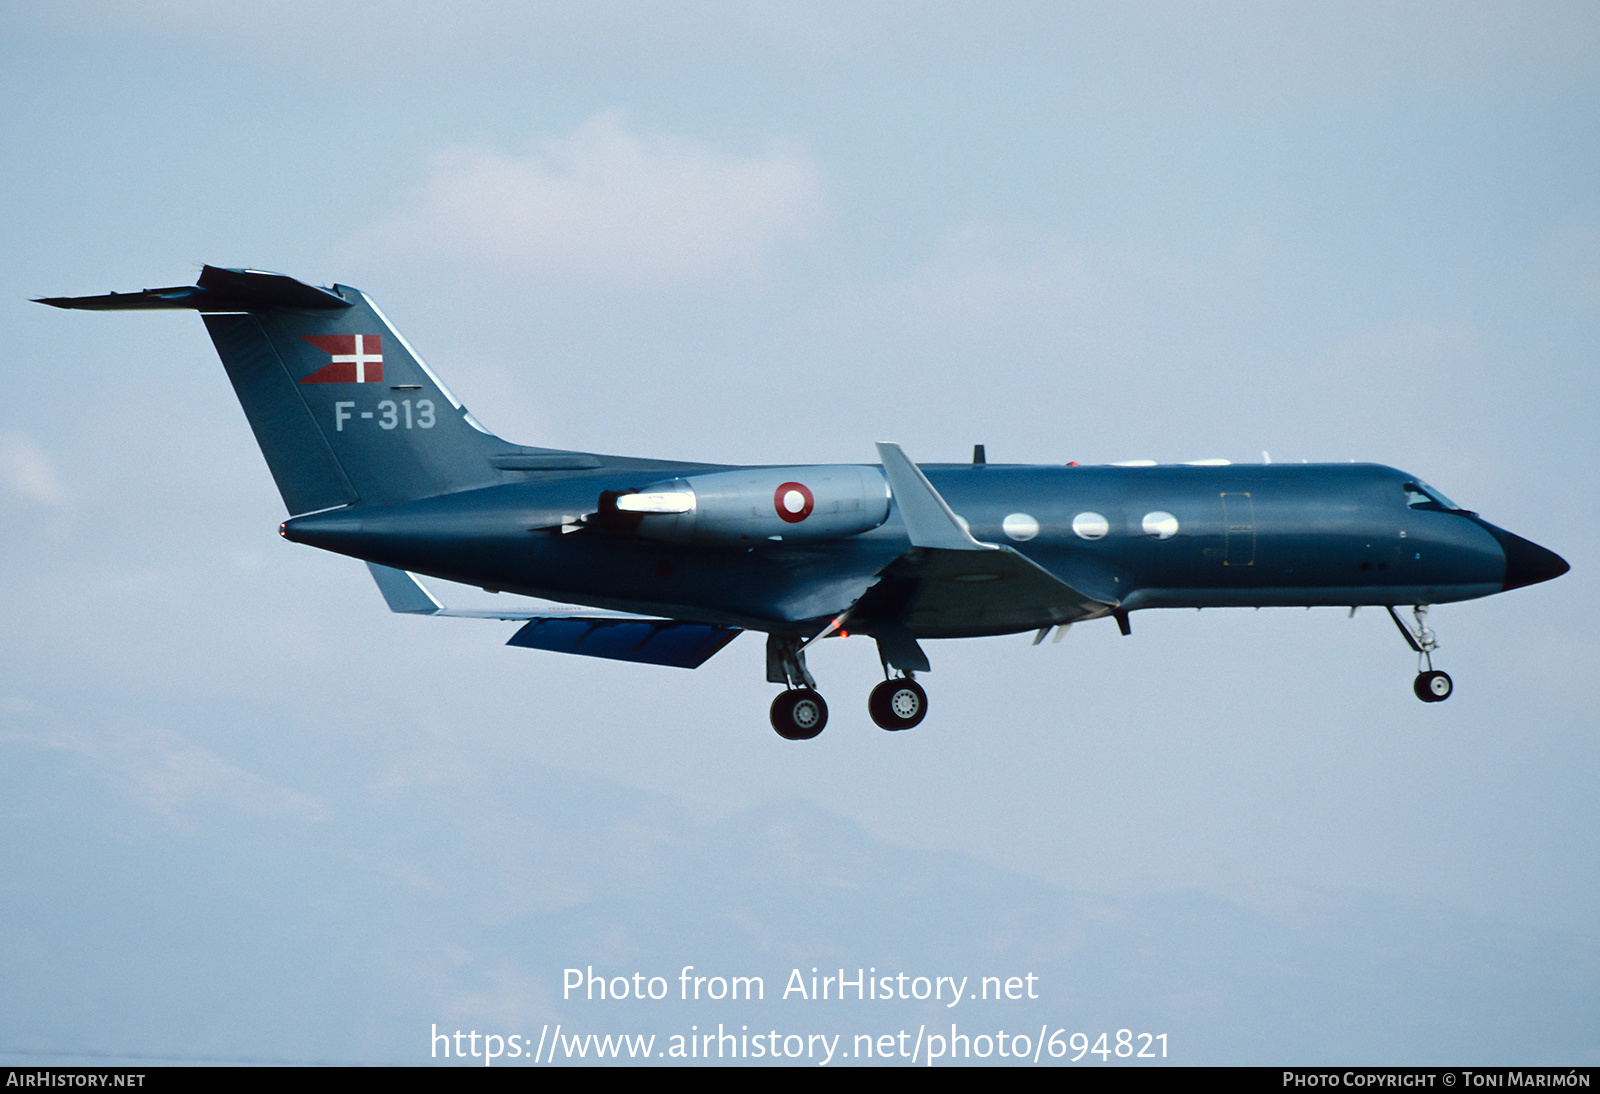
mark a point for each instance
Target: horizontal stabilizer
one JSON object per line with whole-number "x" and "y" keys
{"x": 218, "y": 290}
{"x": 651, "y": 642}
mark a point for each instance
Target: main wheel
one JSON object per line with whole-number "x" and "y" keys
{"x": 799, "y": 714}
{"x": 1433, "y": 686}
{"x": 897, "y": 704}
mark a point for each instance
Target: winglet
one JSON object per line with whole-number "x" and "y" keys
{"x": 929, "y": 520}
{"x": 403, "y": 592}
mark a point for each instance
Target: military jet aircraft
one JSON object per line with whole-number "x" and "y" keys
{"x": 376, "y": 459}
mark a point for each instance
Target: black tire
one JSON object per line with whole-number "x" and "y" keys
{"x": 897, "y": 704}
{"x": 799, "y": 714}
{"x": 1433, "y": 687}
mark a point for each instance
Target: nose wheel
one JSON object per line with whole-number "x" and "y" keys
{"x": 1431, "y": 685}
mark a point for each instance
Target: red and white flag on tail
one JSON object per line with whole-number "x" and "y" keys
{"x": 357, "y": 358}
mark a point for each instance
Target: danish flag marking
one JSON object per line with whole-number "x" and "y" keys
{"x": 357, "y": 358}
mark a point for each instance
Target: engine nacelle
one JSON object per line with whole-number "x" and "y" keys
{"x": 747, "y": 506}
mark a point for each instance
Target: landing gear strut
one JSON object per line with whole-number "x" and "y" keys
{"x": 799, "y": 713}
{"x": 1431, "y": 685}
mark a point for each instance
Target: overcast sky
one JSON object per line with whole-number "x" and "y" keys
{"x": 251, "y": 815}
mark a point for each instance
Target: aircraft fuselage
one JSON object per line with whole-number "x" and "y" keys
{"x": 1172, "y": 536}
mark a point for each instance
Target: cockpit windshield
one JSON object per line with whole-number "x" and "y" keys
{"x": 1419, "y": 495}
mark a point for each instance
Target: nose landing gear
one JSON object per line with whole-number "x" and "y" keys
{"x": 1431, "y": 685}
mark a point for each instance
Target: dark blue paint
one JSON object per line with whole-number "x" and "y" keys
{"x": 1320, "y": 534}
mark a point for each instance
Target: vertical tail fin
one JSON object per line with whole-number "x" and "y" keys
{"x": 343, "y": 408}
{"x": 344, "y": 384}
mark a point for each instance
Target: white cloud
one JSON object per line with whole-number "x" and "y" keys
{"x": 170, "y": 775}
{"x": 27, "y": 472}
{"x": 173, "y": 776}
{"x": 605, "y": 207}
{"x": 982, "y": 291}
{"x": 970, "y": 291}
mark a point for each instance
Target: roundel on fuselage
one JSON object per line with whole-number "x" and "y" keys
{"x": 793, "y": 502}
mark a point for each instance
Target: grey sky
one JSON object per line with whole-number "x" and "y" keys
{"x": 779, "y": 233}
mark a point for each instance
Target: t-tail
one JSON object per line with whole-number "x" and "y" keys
{"x": 343, "y": 408}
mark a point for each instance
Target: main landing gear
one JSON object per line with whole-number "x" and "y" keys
{"x": 1431, "y": 685}
{"x": 799, "y": 713}
{"x": 898, "y": 703}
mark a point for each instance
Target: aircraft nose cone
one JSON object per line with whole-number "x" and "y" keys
{"x": 1527, "y": 563}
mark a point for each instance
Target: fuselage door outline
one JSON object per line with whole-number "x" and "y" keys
{"x": 1238, "y": 529}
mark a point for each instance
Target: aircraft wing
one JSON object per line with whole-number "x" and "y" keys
{"x": 994, "y": 592}
{"x": 953, "y": 583}
{"x": 583, "y": 631}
